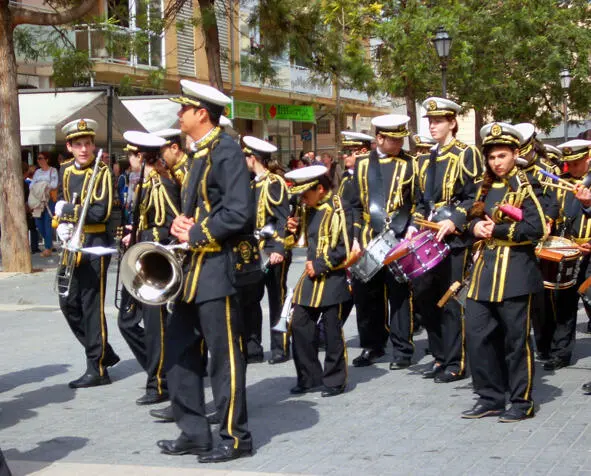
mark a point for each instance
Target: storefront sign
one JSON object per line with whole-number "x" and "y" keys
{"x": 288, "y": 112}
{"x": 246, "y": 110}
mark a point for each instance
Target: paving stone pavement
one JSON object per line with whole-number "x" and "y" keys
{"x": 388, "y": 422}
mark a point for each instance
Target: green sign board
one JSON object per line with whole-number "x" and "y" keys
{"x": 289, "y": 112}
{"x": 245, "y": 110}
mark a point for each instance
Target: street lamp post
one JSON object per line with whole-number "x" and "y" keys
{"x": 442, "y": 43}
{"x": 565, "y": 79}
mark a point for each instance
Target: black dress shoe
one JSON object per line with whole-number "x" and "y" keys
{"x": 367, "y": 357}
{"x": 543, "y": 356}
{"x": 299, "y": 389}
{"x": 182, "y": 446}
{"x": 516, "y": 414}
{"x": 90, "y": 380}
{"x": 400, "y": 363}
{"x": 556, "y": 363}
{"x": 332, "y": 391}
{"x": 481, "y": 410}
{"x": 586, "y": 387}
{"x": 255, "y": 358}
{"x": 150, "y": 398}
{"x": 224, "y": 452}
{"x": 278, "y": 359}
{"x": 433, "y": 370}
{"x": 164, "y": 414}
{"x": 448, "y": 376}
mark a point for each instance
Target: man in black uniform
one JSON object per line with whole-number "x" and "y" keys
{"x": 355, "y": 145}
{"x": 383, "y": 198}
{"x": 83, "y": 307}
{"x": 322, "y": 291}
{"x": 446, "y": 189}
{"x": 173, "y": 154}
{"x": 215, "y": 208}
{"x": 158, "y": 205}
{"x": 575, "y": 224}
{"x": 271, "y": 203}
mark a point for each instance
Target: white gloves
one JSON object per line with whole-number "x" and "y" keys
{"x": 411, "y": 230}
{"x": 59, "y": 207}
{"x": 64, "y": 231}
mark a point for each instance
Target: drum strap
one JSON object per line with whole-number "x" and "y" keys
{"x": 430, "y": 184}
{"x": 376, "y": 196}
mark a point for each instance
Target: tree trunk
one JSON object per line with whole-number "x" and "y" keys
{"x": 14, "y": 244}
{"x": 212, "y": 43}
{"x": 411, "y": 109}
{"x": 478, "y": 123}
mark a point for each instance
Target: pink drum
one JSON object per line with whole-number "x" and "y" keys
{"x": 413, "y": 258}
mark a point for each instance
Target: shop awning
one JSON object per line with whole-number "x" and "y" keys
{"x": 43, "y": 113}
{"x": 153, "y": 112}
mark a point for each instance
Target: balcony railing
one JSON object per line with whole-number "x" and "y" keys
{"x": 114, "y": 44}
{"x": 289, "y": 77}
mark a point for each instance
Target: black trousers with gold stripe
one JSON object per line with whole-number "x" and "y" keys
{"x": 219, "y": 324}
{"x": 371, "y": 305}
{"x": 445, "y": 327}
{"x": 500, "y": 350}
{"x": 84, "y": 311}
{"x": 305, "y": 346}
{"x": 147, "y": 342}
{"x": 275, "y": 281}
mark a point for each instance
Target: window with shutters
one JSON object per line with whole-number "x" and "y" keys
{"x": 185, "y": 37}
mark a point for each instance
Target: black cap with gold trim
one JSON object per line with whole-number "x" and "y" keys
{"x": 142, "y": 141}
{"x": 575, "y": 150}
{"x": 440, "y": 107}
{"x": 352, "y": 140}
{"x": 305, "y": 178}
{"x": 391, "y": 125}
{"x": 553, "y": 152}
{"x": 169, "y": 135}
{"x": 201, "y": 95}
{"x": 80, "y": 128}
{"x": 501, "y": 133}
{"x": 424, "y": 141}
{"x": 258, "y": 147}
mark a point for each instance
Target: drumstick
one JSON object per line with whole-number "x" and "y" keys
{"x": 430, "y": 224}
{"x": 561, "y": 182}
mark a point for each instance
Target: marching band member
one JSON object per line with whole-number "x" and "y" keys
{"x": 532, "y": 159}
{"x": 215, "y": 208}
{"x": 173, "y": 153}
{"x": 505, "y": 276}
{"x": 160, "y": 200}
{"x": 354, "y": 144}
{"x": 84, "y": 307}
{"x": 554, "y": 155}
{"x": 383, "y": 198}
{"x": 322, "y": 290}
{"x": 446, "y": 192}
{"x": 575, "y": 224}
{"x": 423, "y": 144}
{"x": 272, "y": 209}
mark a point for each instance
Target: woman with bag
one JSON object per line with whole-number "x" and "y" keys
{"x": 43, "y": 192}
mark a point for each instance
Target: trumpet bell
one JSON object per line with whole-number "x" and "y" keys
{"x": 151, "y": 273}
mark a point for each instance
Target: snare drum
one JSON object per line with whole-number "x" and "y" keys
{"x": 560, "y": 267}
{"x": 372, "y": 257}
{"x": 413, "y": 258}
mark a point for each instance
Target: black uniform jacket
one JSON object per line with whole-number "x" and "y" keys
{"x": 574, "y": 220}
{"x": 75, "y": 180}
{"x": 398, "y": 184}
{"x": 506, "y": 265}
{"x": 160, "y": 206}
{"x": 548, "y": 199}
{"x": 272, "y": 208}
{"x": 216, "y": 193}
{"x": 327, "y": 230}
{"x": 452, "y": 177}
{"x": 181, "y": 168}
{"x": 347, "y": 187}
